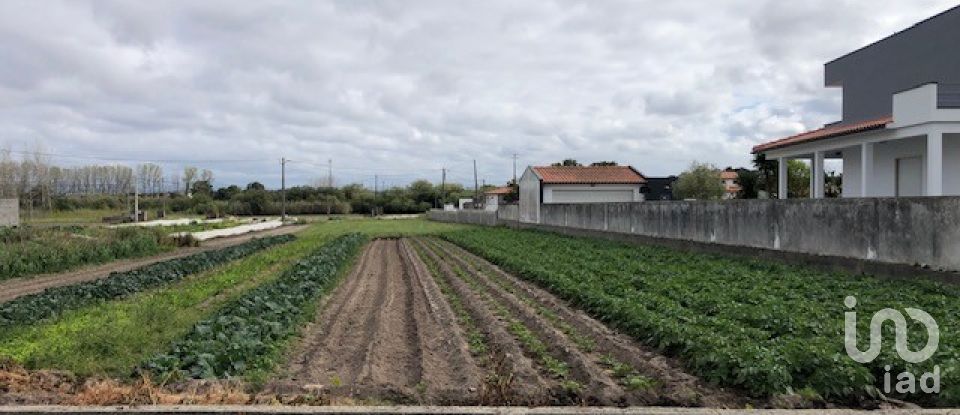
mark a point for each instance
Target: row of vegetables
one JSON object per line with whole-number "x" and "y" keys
{"x": 54, "y": 301}
{"x": 761, "y": 327}
{"x": 247, "y": 334}
{"x": 29, "y": 251}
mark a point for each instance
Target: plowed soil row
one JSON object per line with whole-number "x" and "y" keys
{"x": 423, "y": 321}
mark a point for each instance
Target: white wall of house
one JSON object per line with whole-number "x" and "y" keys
{"x": 951, "y": 164}
{"x": 851, "y": 173}
{"x": 492, "y": 203}
{"x": 584, "y": 193}
{"x": 884, "y": 180}
{"x": 529, "y": 196}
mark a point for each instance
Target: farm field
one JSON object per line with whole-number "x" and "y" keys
{"x": 376, "y": 312}
{"x": 146, "y": 328}
{"x": 421, "y": 321}
{"x": 759, "y": 327}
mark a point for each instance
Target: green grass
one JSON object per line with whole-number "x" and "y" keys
{"x": 378, "y": 228}
{"x": 78, "y": 217}
{"x": 111, "y": 338}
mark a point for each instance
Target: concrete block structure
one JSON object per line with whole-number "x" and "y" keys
{"x": 9, "y": 212}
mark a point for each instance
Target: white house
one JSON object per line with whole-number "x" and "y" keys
{"x": 731, "y": 186}
{"x": 900, "y": 130}
{"x": 577, "y": 184}
{"x": 495, "y": 197}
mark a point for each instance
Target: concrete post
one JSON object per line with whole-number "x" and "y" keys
{"x": 817, "y": 175}
{"x": 935, "y": 163}
{"x": 782, "y": 177}
{"x": 866, "y": 169}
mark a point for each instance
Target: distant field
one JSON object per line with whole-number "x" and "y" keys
{"x": 78, "y": 217}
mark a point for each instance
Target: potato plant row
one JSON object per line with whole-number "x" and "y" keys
{"x": 246, "y": 334}
{"x": 54, "y": 301}
{"x": 762, "y": 327}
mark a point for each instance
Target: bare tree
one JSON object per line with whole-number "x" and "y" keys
{"x": 189, "y": 174}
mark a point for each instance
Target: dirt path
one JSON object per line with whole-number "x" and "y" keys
{"x": 386, "y": 333}
{"x": 19, "y": 287}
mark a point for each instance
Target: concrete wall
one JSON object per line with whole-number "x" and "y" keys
{"x": 509, "y": 212}
{"x": 9, "y": 212}
{"x": 473, "y": 217}
{"x": 910, "y": 231}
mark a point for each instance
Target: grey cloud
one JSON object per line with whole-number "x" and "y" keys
{"x": 410, "y": 86}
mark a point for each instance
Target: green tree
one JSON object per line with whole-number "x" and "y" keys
{"x": 798, "y": 179}
{"x": 701, "y": 181}
{"x": 749, "y": 181}
{"x": 767, "y": 174}
{"x": 567, "y": 163}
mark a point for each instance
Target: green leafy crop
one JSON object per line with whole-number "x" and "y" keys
{"x": 54, "y": 301}
{"x": 242, "y": 335}
{"x": 762, "y": 327}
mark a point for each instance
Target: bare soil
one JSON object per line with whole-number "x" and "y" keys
{"x": 385, "y": 333}
{"x": 390, "y": 334}
{"x": 19, "y": 287}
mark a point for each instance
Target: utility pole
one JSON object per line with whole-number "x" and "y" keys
{"x": 283, "y": 189}
{"x": 376, "y": 191}
{"x": 476, "y": 187}
{"x": 514, "y": 168}
{"x": 330, "y": 172}
{"x": 443, "y": 187}
{"x": 136, "y": 201}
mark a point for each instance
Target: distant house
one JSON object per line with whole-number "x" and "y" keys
{"x": 495, "y": 197}
{"x": 900, "y": 130}
{"x": 577, "y": 184}
{"x": 660, "y": 188}
{"x": 731, "y": 186}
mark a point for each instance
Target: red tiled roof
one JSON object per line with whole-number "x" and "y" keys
{"x": 826, "y": 132}
{"x": 725, "y": 175}
{"x": 589, "y": 175}
{"x": 499, "y": 191}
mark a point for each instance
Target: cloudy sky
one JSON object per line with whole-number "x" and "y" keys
{"x": 403, "y": 88}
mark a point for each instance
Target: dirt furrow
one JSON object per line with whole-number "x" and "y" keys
{"x": 447, "y": 371}
{"x": 385, "y": 335}
{"x": 675, "y": 387}
{"x": 522, "y": 383}
{"x": 599, "y": 387}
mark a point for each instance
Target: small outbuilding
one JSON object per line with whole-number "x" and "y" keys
{"x": 9, "y": 212}
{"x": 577, "y": 184}
{"x": 496, "y": 197}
